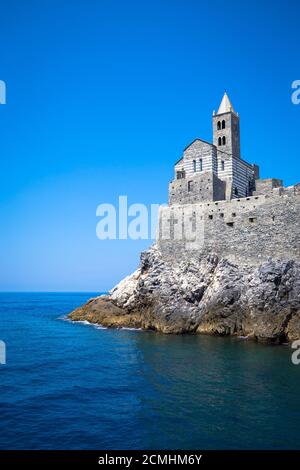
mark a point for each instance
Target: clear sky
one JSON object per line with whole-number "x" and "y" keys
{"x": 102, "y": 97}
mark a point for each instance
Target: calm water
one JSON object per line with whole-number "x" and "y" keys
{"x": 74, "y": 386}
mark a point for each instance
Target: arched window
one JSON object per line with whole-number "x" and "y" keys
{"x": 223, "y": 165}
{"x": 223, "y": 124}
{"x": 219, "y": 141}
{"x": 201, "y": 164}
{"x": 219, "y": 125}
{"x": 224, "y": 140}
{"x": 194, "y": 165}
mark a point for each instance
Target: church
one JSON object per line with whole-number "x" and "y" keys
{"x": 214, "y": 172}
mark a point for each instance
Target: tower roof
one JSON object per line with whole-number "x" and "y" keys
{"x": 225, "y": 106}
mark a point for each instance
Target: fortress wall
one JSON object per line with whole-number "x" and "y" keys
{"x": 247, "y": 230}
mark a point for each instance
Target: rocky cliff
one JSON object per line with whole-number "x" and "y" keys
{"x": 205, "y": 295}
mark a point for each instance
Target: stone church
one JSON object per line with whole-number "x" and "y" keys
{"x": 214, "y": 172}
{"x": 218, "y": 204}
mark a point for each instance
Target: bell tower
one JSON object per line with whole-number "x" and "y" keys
{"x": 226, "y": 128}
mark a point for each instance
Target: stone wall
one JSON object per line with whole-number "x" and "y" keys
{"x": 198, "y": 188}
{"x": 248, "y": 230}
{"x": 201, "y": 157}
{"x": 265, "y": 186}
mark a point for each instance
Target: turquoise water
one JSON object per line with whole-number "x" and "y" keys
{"x": 73, "y": 386}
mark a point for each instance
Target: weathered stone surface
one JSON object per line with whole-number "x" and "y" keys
{"x": 244, "y": 231}
{"x": 204, "y": 294}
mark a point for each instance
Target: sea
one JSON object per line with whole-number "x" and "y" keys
{"x": 69, "y": 385}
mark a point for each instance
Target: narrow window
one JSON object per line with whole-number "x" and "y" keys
{"x": 223, "y": 165}
{"x": 236, "y": 191}
{"x": 223, "y": 124}
{"x": 190, "y": 186}
{"x": 219, "y": 125}
{"x": 224, "y": 140}
{"x": 219, "y": 141}
{"x": 201, "y": 164}
{"x": 194, "y": 165}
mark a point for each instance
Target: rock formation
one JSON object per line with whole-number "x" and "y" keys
{"x": 227, "y": 257}
{"x": 206, "y": 295}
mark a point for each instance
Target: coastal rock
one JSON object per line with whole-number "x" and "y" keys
{"x": 204, "y": 295}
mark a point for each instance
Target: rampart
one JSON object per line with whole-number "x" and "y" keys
{"x": 247, "y": 230}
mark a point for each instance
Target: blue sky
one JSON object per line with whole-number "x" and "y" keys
{"x": 102, "y": 96}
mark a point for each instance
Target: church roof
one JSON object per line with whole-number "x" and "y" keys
{"x": 225, "y": 106}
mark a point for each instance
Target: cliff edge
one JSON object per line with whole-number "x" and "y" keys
{"x": 206, "y": 295}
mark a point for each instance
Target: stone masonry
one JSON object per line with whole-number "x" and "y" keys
{"x": 218, "y": 204}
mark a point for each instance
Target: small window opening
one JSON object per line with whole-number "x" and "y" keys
{"x": 223, "y": 124}
{"x": 180, "y": 174}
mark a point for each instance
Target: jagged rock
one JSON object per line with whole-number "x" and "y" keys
{"x": 203, "y": 295}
